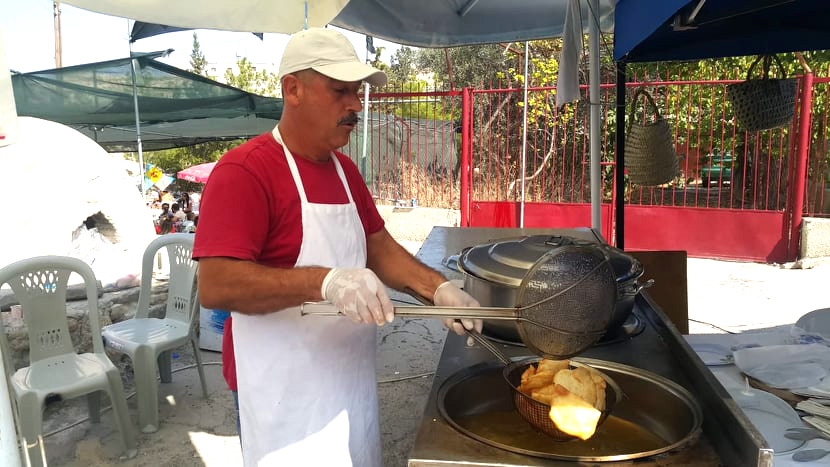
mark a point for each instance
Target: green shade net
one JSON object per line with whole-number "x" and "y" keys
{"x": 175, "y": 107}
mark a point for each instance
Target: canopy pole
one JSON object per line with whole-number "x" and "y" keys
{"x": 619, "y": 166}
{"x": 595, "y": 98}
{"x": 365, "y": 124}
{"x": 137, "y": 122}
{"x": 524, "y": 140}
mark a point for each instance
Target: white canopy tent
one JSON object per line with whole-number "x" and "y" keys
{"x": 283, "y": 16}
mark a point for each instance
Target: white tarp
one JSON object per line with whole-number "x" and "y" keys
{"x": 280, "y": 16}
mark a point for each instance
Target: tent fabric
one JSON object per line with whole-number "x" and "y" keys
{"x": 176, "y": 107}
{"x": 438, "y": 23}
{"x": 142, "y": 30}
{"x": 644, "y": 31}
{"x": 282, "y": 16}
{"x": 448, "y": 23}
{"x": 157, "y": 136}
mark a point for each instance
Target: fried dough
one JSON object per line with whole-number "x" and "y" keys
{"x": 572, "y": 414}
{"x": 579, "y": 382}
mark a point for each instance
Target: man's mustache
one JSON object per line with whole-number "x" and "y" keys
{"x": 350, "y": 119}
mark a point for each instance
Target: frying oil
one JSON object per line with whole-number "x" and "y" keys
{"x": 614, "y": 437}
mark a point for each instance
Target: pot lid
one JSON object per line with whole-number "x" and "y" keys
{"x": 506, "y": 261}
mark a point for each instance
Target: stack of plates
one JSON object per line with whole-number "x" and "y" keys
{"x": 815, "y": 324}
{"x": 769, "y": 414}
{"x": 786, "y": 366}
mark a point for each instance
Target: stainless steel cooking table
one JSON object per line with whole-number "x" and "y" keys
{"x": 728, "y": 437}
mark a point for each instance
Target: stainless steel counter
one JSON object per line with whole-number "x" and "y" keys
{"x": 728, "y": 437}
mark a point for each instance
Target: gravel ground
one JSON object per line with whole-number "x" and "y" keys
{"x": 723, "y": 297}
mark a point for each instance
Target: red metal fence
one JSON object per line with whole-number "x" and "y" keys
{"x": 426, "y": 146}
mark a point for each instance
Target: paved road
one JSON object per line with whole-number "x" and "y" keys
{"x": 739, "y": 296}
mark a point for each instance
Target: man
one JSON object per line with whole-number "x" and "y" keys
{"x": 177, "y": 214}
{"x": 287, "y": 220}
{"x": 165, "y": 212}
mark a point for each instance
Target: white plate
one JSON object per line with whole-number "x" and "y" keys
{"x": 819, "y": 391}
{"x": 713, "y": 354}
{"x": 771, "y": 417}
{"x": 816, "y": 322}
{"x": 785, "y": 366}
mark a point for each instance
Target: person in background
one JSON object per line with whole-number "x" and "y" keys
{"x": 287, "y": 220}
{"x": 195, "y": 200}
{"x": 185, "y": 204}
{"x": 165, "y": 212}
{"x": 166, "y": 226}
{"x": 177, "y": 214}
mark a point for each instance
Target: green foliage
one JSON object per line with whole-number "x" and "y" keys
{"x": 173, "y": 160}
{"x": 377, "y": 62}
{"x": 402, "y": 67}
{"x": 402, "y": 79}
{"x": 479, "y": 66}
{"x": 252, "y": 80}
{"x": 198, "y": 62}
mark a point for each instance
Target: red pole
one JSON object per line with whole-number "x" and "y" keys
{"x": 466, "y": 159}
{"x": 804, "y": 126}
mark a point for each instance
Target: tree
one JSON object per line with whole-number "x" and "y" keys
{"x": 250, "y": 79}
{"x": 402, "y": 67}
{"x": 198, "y": 62}
{"x": 476, "y": 65}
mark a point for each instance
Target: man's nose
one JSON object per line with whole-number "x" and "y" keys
{"x": 355, "y": 105}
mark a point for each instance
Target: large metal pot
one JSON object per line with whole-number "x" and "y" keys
{"x": 493, "y": 273}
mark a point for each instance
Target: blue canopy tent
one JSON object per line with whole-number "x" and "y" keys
{"x": 673, "y": 30}
{"x": 669, "y": 30}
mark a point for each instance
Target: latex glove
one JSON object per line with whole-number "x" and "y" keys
{"x": 448, "y": 294}
{"x": 358, "y": 294}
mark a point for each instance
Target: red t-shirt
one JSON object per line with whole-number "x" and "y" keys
{"x": 250, "y": 209}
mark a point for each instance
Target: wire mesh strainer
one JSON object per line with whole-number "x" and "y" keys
{"x": 572, "y": 288}
{"x": 565, "y": 302}
{"x": 538, "y": 413}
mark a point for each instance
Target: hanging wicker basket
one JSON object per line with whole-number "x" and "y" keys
{"x": 762, "y": 104}
{"x": 649, "y": 148}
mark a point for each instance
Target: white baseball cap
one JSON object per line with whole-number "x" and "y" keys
{"x": 328, "y": 52}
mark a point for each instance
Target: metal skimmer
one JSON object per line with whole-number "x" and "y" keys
{"x": 565, "y": 303}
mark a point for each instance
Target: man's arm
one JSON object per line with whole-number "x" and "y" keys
{"x": 397, "y": 268}
{"x": 250, "y": 288}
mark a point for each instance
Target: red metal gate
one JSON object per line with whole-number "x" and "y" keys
{"x": 735, "y": 196}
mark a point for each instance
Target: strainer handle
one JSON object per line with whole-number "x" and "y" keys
{"x": 327, "y": 309}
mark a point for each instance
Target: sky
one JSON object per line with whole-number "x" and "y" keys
{"x": 28, "y": 33}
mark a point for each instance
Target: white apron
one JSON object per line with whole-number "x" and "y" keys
{"x": 307, "y": 390}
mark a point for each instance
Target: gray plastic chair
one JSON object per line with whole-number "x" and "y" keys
{"x": 56, "y": 370}
{"x": 149, "y": 341}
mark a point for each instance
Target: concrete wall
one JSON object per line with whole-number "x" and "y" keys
{"x": 815, "y": 237}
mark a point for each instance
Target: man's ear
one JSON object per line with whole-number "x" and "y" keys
{"x": 291, "y": 89}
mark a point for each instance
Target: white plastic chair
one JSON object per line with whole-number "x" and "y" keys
{"x": 149, "y": 341}
{"x": 55, "y": 370}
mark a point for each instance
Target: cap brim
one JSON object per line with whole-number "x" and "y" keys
{"x": 353, "y": 71}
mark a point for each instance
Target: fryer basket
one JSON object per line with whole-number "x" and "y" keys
{"x": 537, "y": 413}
